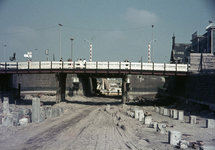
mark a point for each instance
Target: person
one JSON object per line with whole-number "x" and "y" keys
{"x": 84, "y": 62}
{"x": 61, "y": 59}
{"x": 126, "y": 60}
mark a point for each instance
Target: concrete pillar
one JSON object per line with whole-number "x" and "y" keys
{"x": 147, "y": 120}
{"x": 42, "y": 114}
{"x": 210, "y": 123}
{"x": 157, "y": 110}
{"x": 35, "y": 110}
{"x": 165, "y": 111}
{"x": 7, "y": 120}
{"x": 174, "y": 114}
{"x": 180, "y": 115}
{"x": 192, "y": 119}
{"x": 174, "y": 137}
{"x": 6, "y": 105}
{"x": 141, "y": 115}
{"x": 124, "y": 90}
{"x": 47, "y": 111}
{"x": 161, "y": 110}
{"x": 136, "y": 114}
{"x": 61, "y": 80}
{"x": 170, "y": 113}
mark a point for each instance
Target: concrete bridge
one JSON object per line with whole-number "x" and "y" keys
{"x": 93, "y": 69}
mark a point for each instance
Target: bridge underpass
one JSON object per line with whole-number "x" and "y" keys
{"x": 92, "y": 69}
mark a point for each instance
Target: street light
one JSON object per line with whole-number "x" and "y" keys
{"x": 71, "y": 46}
{"x": 4, "y": 52}
{"x": 60, "y": 38}
{"x": 149, "y": 61}
{"x": 90, "y": 49}
{"x": 152, "y": 45}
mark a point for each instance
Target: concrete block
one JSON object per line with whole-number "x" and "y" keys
{"x": 141, "y": 116}
{"x": 183, "y": 144}
{"x": 35, "y": 110}
{"x": 147, "y": 120}
{"x": 7, "y": 120}
{"x": 180, "y": 115}
{"x": 21, "y": 112}
{"x": 132, "y": 114}
{"x": 61, "y": 110}
{"x": 137, "y": 112}
{"x": 175, "y": 114}
{"x": 107, "y": 107}
{"x": 192, "y": 119}
{"x": 42, "y": 114}
{"x": 153, "y": 125}
{"x": 165, "y": 111}
{"x": 161, "y": 128}
{"x": 161, "y": 110}
{"x": 158, "y": 110}
{"x": 54, "y": 113}
{"x": 134, "y": 108}
{"x": 47, "y": 110}
{"x": 6, "y": 105}
{"x": 170, "y": 113}
{"x": 57, "y": 111}
{"x": 15, "y": 117}
{"x": 23, "y": 121}
{"x": 210, "y": 123}
{"x": 207, "y": 147}
{"x": 174, "y": 137}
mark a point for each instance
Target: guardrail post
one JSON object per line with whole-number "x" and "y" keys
{"x": 120, "y": 66}
{"x": 40, "y": 66}
{"x": 176, "y": 66}
{"x": 62, "y": 67}
{"x": 5, "y": 67}
{"x": 28, "y": 66}
{"x": 51, "y": 66}
{"x": 16, "y": 67}
{"x": 164, "y": 68}
{"x": 153, "y": 68}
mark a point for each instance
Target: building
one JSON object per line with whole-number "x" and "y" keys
{"x": 178, "y": 53}
{"x": 200, "y": 44}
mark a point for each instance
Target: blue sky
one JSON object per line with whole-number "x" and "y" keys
{"x": 118, "y": 29}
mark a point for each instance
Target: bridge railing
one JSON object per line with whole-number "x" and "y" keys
{"x": 94, "y": 65}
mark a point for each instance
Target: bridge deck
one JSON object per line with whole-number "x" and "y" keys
{"x": 94, "y": 68}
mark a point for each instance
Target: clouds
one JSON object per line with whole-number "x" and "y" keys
{"x": 140, "y": 17}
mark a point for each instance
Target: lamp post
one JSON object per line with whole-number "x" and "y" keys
{"x": 152, "y": 45}
{"x": 71, "y": 47}
{"x": 4, "y": 52}
{"x": 90, "y": 49}
{"x": 60, "y": 38}
{"x": 149, "y": 46}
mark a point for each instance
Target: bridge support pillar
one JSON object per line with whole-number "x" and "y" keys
{"x": 61, "y": 86}
{"x": 124, "y": 90}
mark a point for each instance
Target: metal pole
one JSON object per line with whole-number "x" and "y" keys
{"x": 35, "y": 54}
{"x": 60, "y": 39}
{"x": 71, "y": 47}
{"x": 152, "y": 45}
{"x": 4, "y": 52}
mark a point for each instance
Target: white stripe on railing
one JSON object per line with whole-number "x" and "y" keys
{"x": 94, "y": 65}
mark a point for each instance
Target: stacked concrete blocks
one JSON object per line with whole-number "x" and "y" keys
{"x": 210, "y": 123}
{"x": 174, "y": 137}
{"x": 192, "y": 119}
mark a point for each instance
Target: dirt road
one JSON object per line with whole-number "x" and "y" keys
{"x": 85, "y": 125}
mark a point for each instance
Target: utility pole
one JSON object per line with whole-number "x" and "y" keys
{"x": 71, "y": 47}
{"x": 4, "y": 52}
{"x": 60, "y": 39}
{"x": 152, "y": 46}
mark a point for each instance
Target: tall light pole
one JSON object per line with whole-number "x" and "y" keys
{"x": 60, "y": 39}
{"x": 4, "y": 52}
{"x": 149, "y": 53}
{"x": 71, "y": 47}
{"x": 90, "y": 49}
{"x": 152, "y": 45}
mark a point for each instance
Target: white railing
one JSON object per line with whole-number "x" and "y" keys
{"x": 94, "y": 65}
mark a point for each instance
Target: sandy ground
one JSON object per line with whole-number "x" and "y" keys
{"x": 87, "y": 125}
